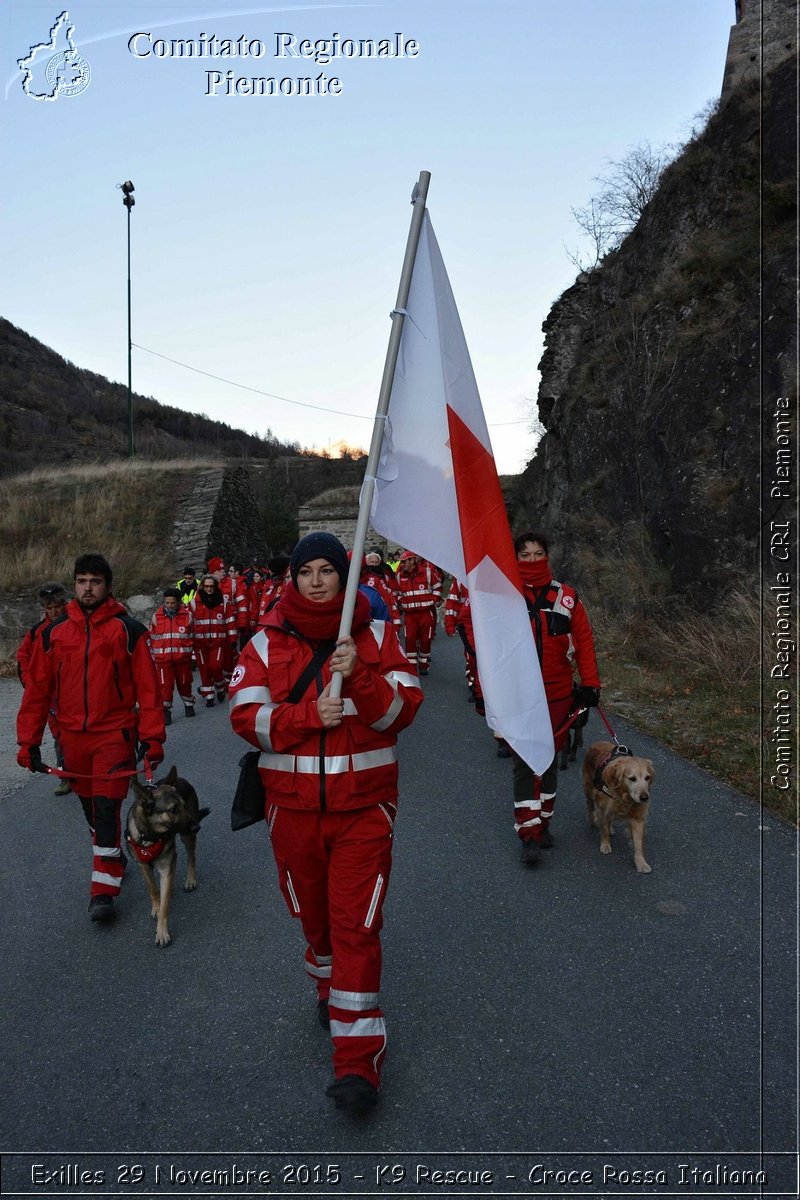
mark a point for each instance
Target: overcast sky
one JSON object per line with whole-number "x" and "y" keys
{"x": 268, "y": 232}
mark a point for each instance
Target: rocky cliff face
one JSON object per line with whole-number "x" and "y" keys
{"x": 658, "y": 362}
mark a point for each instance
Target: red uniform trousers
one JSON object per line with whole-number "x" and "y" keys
{"x": 535, "y": 795}
{"x": 100, "y": 762}
{"x": 420, "y": 625}
{"x": 172, "y": 673}
{"x": 230, "y": 652}
{"x": 210, "y": 657}
{"x": 333, "y": 869}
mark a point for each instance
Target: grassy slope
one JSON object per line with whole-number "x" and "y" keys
{"x": 124, "y": 511}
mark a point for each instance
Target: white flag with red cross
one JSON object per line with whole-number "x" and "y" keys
{"x": 437, "y": 492}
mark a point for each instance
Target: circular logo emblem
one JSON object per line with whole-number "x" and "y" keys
{"x": 68, "y": 73}
{"x": 568, "y": 601}
{"x": 237, "y": 677}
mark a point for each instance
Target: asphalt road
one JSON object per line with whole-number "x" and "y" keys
{"x": 575, "y": 1017}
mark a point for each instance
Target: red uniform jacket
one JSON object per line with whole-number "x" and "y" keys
{"x": 254, "y": 593}
{"x": 562, "y": 634}
{"x": 270, "y": 596}
{"x": 25, "y": 650}
{"x": 304, "y": 765}
{"x": 236, "y": 592}
{"x": 421, "y": 590}
{"x": 213, "y": 626}
{"x": 456, "y": 599}
{"x": 95, "y": 670}
{"x": 386, "y": 590}
{"x": 171, "y": 634}
{"x": 241, "y": 602}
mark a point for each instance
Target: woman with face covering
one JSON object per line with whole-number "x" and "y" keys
{"x": 562, "y": 635}
{"x": 214, "y": 621}
{"x": 329, "y": 769}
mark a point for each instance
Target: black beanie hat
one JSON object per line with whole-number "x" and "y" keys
{"x": 278, "y": 563}
{"x": 319, "y": 545}
{"x": 52, "y": 591}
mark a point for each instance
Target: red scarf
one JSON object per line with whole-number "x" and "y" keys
{"x": 535, "y": 574}
{"x": 315, "y": 620}
{"x": 146, "y": 854}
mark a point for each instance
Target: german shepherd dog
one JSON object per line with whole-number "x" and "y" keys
{"x": 158, "y": 814}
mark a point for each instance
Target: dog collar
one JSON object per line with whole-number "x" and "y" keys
{"x": 145, "y": 852}
{"x": 617, "y": 752}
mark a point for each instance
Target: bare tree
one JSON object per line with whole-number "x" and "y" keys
{"x": 597, "y": 228}
{"x": 627, "y": 187}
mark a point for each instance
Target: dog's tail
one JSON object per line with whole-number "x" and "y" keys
{"x": 203, "y": 813}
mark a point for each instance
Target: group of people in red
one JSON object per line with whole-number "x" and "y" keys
{"x": 327, "y": 756}
{"x": 206, "y": 622}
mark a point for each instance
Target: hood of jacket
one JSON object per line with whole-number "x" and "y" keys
{"x": 110, "y": 607}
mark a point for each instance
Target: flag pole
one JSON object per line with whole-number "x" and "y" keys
{"x": 418, "y": 199}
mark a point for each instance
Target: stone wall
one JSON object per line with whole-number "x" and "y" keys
{"x": 764, "y": 34}
{"x": 194, "y": 516}
{"x": 340, "y": 520}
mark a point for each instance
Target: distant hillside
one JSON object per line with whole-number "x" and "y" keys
{"x": 52, "y": 413}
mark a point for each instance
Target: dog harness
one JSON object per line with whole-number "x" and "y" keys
{"x": 145, "y": 852}
{"x": 617, "y": 752}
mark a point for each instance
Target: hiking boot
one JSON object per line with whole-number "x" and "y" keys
{"x": 503, "y": 749}
{"x": 531, "y": 853}
{"x": 189, "y": 710}
{"x": 101, "y": 908}
{"x": 546, "y": 840}
{"x": 167, "y": 716}
{"x": 353, "y": 1093}
{"x": 221, "y": 694}
{"x": 323, "y": 1016}
{"x": 209, "y": 703}
{"x": 63, "y": 788}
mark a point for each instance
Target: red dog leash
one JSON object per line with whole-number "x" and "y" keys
{"x": 571, "y": 719}
{"x": 147, "y": 770}
{"x": 620, "y": 748}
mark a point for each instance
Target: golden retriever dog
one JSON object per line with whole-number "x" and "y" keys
{"x": 617, "y": 788}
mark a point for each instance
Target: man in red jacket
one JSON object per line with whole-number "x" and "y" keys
{"x": 94, "y": 664}
{"x": 419, "y": 595}
{"x": 329, "y": 767}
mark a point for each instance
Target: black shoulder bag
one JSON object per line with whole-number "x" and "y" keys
{"x": 249, "y": 802}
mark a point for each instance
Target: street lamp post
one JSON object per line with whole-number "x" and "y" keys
{"x": 129, "y": 202}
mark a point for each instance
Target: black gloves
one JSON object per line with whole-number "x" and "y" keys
{"x": 151, "y": 752}
{"x": 30, "y": 757}
{"x": 590, "y": 696}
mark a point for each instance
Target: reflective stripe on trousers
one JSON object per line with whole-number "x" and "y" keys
{"x": 333, "y": 869}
